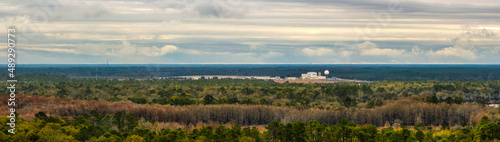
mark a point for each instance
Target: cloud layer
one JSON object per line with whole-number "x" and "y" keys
{"x": 256, "y": 31}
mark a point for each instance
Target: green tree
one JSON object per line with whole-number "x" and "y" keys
{"x": 419, "y": 136}
{"x": 133, "y": 138}
{"x": 448, "y": 100}
{"x": 378, "y": 103}
{"x": 487, "y": 130}
{"x": 138, "y": 100}
{"x": 370, "y": 104}
{"x": 275, "y": 130}
{"x": 54, "y": 132}
{"x": 124, "y": 121}
{"x": 431, "y": 99}
{"x": 348, "y": 101}
{"x": 458, "y": 100}
{"x": 465, "y": 134}
{"x": 299, "y": 132}
{"x": 208, "y": 99}
{"x": 62, "y": 93}
{"x": 345, "y": 130}
{"x": 366, "y": 133}
{"x": 246, "y": 139}
{"x": 315, "y": 131}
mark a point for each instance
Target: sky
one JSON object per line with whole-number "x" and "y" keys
{"x": 254, "y": 31}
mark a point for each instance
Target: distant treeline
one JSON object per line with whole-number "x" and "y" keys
{"x": 363, "y": 72}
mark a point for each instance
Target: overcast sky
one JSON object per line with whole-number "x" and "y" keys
{"x": 254, "y": 31}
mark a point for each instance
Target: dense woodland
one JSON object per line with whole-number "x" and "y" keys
{"x": 260, "y": 92}
{"x": 56, "y": 107}
{"x": 121, "y": 126}
{"x": 405, "y": 111}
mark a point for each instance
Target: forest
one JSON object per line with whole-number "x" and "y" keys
{"x": 405, "y": 111}
{"x": 121, "y": 126}
{"x": 54, "y": 107}
{"x": 326, "y": 96}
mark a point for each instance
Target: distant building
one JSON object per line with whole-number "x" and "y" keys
{"x": 194, "y": 78}
{"x": 276, "y": 78}
{"x": 493, "y": 103}
{"x": 312, "y": 75}
{"x": 291, "y": 78}
{"x": 262, "y": 77}
{"x": 304, "y": 76}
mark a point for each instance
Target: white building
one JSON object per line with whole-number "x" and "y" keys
{"x": 321, "y": 77}
{"x": 303, "y": 76}
{"x": 276, "y": 78}
{"x": 310, "y": 75}
{"x": 262, "y": 77}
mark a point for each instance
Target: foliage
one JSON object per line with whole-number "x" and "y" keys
{"x": 261, "y": 92}
{"x": 313, "y": 131}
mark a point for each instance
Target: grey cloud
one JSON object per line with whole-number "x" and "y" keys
{"x": 85, "y": 9}
{"x": 165, "y": 4}
{"x": 469, "y": 36}
{"x": 478, "y": 33}
{"x": 205, "y": 8}
{"x": 124, "y": 49}
{"x": 220, "y": 8}
{"x": 278, "y": 32}
{"x": 406, "y": 5}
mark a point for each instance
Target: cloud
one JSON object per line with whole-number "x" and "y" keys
{"x": 495, "y": 50}
{"x": 192, "y": 52}
{"x": 371, "y": 49}
{"x": 454, "y": 52}
{"x": 382, "y": 52}
{"x": 201, "y": 52}
{"x": 481, "y": 33}
{"x": 274, "y": 31}
{"x": 18, "y": 21}
{"x": 84, "y": 9}
{"x": 155, "y": 51}
{"x": 170, "y": 4}
{"x": 52, "y": 50}
{"x": 124, "y": 49}
{"x": 203, "y": 8}
{"x": 471, "y": 34}
{"x": 315, "y": 52}
{"x": 171, "y": 22}
{"x": 346, "y": 53}
{"x": 423, "y": 6}
{"x": 416, "y": 50}
{"x": 365, "y": 45}
{"x": 220, "y": 8}
{"x": 253, "y": 45}
{"x": 465, "y": 45}
{"x": 271, "y": 54}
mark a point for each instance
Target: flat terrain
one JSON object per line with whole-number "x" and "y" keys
{"x": 318, "y": 80}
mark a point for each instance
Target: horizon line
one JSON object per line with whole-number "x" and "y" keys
{"x": 267, "y": 64}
